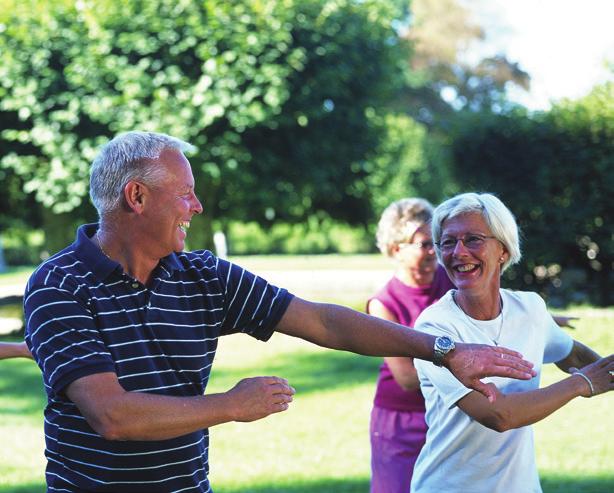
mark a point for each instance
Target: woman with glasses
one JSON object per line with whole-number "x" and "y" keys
{"x": 397, "y": 425}
{"x": 473, "y": 444}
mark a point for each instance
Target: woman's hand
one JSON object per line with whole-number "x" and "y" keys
{"x": 600, "y": 374}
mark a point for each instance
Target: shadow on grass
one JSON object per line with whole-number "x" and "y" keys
{"x": 21, "y": 386}
{"x": 309, "y": 372}
{"x": 320, "y": 486}
{"x": 575, "y": 484}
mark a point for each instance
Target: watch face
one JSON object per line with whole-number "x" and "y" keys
{"x": 444, "y": 343}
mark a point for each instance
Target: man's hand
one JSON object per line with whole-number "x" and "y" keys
{"x": 470, "y": 362}
{"x": 257, "y": 397}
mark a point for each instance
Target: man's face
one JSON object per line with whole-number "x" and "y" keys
{"x": 171, "y": 204}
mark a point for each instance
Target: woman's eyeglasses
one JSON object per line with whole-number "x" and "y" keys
{"x": 472, "y": 241}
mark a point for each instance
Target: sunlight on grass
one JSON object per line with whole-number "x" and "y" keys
{"x": 576, "y": 440}
{"x": 322, "y": 436}
{"x": 321, "y": 444}
{"x": 21, "y": 432}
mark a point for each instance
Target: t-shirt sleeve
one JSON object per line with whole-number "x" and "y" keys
{"x": 558, "y": 343}
{"x": 438, "y": 379}
{"x": 252, "y": 305}
{"x": 62, "y": 336}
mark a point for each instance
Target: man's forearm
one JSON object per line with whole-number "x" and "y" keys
{"x": 338, "y": 327}
{"x": 14, "y": 350}
{"x": 147, "y": 417}
{"x": 374, "y": 336}
{"x": 117, "y": 414}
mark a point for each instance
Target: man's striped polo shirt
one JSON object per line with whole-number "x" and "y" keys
{"x": 84, "y": 315}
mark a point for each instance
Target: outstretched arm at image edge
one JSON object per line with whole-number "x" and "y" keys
{"x": 14, "y": 350}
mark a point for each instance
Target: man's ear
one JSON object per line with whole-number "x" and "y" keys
{"x": 135, "y": 194}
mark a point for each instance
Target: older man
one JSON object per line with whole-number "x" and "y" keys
{"x": 124, "y": 325}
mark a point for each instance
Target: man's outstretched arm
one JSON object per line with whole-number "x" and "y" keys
{"x": 14, "y": 350}
{"x": 337, "y": 327}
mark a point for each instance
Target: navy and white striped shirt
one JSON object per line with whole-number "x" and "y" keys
{"x": 84, "y": 316}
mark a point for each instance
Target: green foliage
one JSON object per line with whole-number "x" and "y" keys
{"x": 24, "y": 246}
{"x": 283, "y": 99}
{"x": 404, "y": 164}
{"x": 554, "y": 171}
{"x": 312, "y": 236}
{"x": 17, "y": 209}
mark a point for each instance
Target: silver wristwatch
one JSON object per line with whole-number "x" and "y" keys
{"x": 443, "y": 345}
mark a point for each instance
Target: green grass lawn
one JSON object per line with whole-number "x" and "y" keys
{"x": 321, "y": 444}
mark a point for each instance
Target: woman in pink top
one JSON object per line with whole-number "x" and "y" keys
{"x": 398, "y": 429}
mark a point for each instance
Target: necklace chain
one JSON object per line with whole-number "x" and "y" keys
{"x": 100, "y": 245}
{"x": 472, "y": 322}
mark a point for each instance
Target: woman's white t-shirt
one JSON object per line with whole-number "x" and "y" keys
{"x": 460, "y": 454}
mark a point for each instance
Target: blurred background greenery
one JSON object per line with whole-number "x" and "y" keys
{"x": 309, "y": 117}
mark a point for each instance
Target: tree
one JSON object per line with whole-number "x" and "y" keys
{"x": 280, "y": 98}
{"x": 443, "y": 79}
{"x": 554, "y": 171}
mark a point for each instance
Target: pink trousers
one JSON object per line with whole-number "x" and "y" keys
{"x": 396, "y": 440}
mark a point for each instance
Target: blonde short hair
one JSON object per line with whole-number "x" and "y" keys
{"x": 498, "y": 217}
{"x": 400, "y": 220}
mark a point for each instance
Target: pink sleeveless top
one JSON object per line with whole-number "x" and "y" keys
{"x": 406, "y": 303}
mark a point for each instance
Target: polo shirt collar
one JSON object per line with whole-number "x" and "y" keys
{"x": 102, "y": 266}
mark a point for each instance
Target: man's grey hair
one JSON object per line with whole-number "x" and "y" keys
{"x": 399, "y": 222}
{"x": 498, "y": 217}
{"x": 128, "y": 156}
